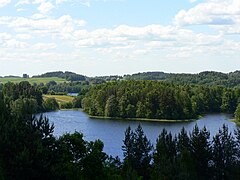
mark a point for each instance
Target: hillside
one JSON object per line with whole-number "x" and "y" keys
{"x": 32, "y": 80}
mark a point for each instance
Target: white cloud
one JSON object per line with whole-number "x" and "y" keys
{"x": 4, "y": 36}
{"x": 22, "y": 2}
{"x": 192, "y": 1}
{"x": 44, "y": 46}
{"x": 13, "y": 43}
{"x": 4, "y": 3}
{"x": 62, "y": 27}
{"x": 38, "y": 16}
{"x": 83, "y": 2}
{"x": 135, "y": 41}
{"x": 45, "y": 7}
{"x": 24, "y": 36}
{"x": 212, "y": 12}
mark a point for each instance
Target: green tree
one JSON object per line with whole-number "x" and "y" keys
{"x": 24, "y": 107}
{"x": 200, "y": 149}
{"x": 224, "y": 154}
{"x": 165, "y": 157}
{"x": 50, "y": 104}
{"x": 111, "y": 108}
{"x": 237, "y": 113}
{"x": 137, "y": 151}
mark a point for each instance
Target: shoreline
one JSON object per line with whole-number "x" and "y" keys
{"x": 143, "y": 119}
{"x": 235, "y": 121}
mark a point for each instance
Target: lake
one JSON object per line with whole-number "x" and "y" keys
{"x": 72, "y": 94}
{"x": 111, "y": 132}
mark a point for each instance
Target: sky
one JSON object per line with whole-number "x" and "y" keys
{"x": 116, "y": 37}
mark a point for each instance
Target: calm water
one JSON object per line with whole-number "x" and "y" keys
{"x": 111, "y": 132}
{"x": 72, "y": 94}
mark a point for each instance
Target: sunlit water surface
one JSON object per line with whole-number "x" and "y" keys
{"x": 111, "y": 132}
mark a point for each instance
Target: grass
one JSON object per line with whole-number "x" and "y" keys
{"x": 60, "y": 98}
{"x": 235, "y": 121}
{"x": 144, "y": 119}
{"x": 33, "y": 80}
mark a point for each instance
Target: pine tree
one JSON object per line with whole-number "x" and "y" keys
{"x": 200, "y": 148}
{"x": 137, "y": 152}
{"x": 224, "y": 154}
{"x": 165, "y": 157}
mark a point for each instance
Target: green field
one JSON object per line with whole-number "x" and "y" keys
{"x": 33, "y": 80}
{"x": 60, "y": 98}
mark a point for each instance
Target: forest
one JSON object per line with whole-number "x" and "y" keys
{"x": 28, "y": 148}
{"x": 231, "y": 79}
{"x": 158, "y": 100}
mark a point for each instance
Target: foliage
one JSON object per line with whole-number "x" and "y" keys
{"x": 23, "y": 95}
{"x": 50, "y": 104}
{"x": 66, "y": 105}
{"x": 237, "y": 113}
{"x": 137, "y": 150}
{"x": 70, "y": 76}
{"x": 210, "y": 78}
{"x": 158, "y": 100}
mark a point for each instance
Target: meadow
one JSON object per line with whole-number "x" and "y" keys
{"x": 60, "y": 98}
{"x": 33, "y": 80}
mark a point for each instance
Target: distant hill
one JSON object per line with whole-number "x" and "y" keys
{"x": 69, "y": 76}
{"x": 210, "y": 78}
{"x": 204, "y": 78}
{"x": 10, "y": 76}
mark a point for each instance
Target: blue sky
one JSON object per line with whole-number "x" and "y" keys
{"x": 103, "y": 37}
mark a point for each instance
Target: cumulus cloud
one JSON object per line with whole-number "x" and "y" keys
{"x": 24, "y": 36}
{"x": 212, "y": 12}
{"x": 4, "y": 3}
{"x": 124, "y": 41}
{"x": 22, "y": 2}
{"x": 45, "y": 7}
{"x": 135, "y": 41}
{"x": 13, "y": 43}
{"x": 44, "y": 46}
{"x": 62, "y": 27}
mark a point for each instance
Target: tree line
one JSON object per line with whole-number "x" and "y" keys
{"x": 70, "y": 76}
{"x": 158, "y": 100}
{"x": 210, "y": 78}
{"x": 26, "y": 98}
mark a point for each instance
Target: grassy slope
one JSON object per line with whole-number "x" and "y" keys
{"x": 32, "y": 80}
{"x": 60, "y": 98}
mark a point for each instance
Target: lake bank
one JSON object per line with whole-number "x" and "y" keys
{"x": 143, "y": 119}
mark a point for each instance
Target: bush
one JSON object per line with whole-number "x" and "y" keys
{"x": 67, "y": 105}
{"x": 50, "y": 104}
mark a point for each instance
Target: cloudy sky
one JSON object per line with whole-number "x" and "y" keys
{"x": 102, "y": 37}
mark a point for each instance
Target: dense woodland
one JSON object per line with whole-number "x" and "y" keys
{"x": 71, "y": 87}
{"x": 158, "y": 100}
{"x": 231, "y": 79}
{"x": 28, "y": 150}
